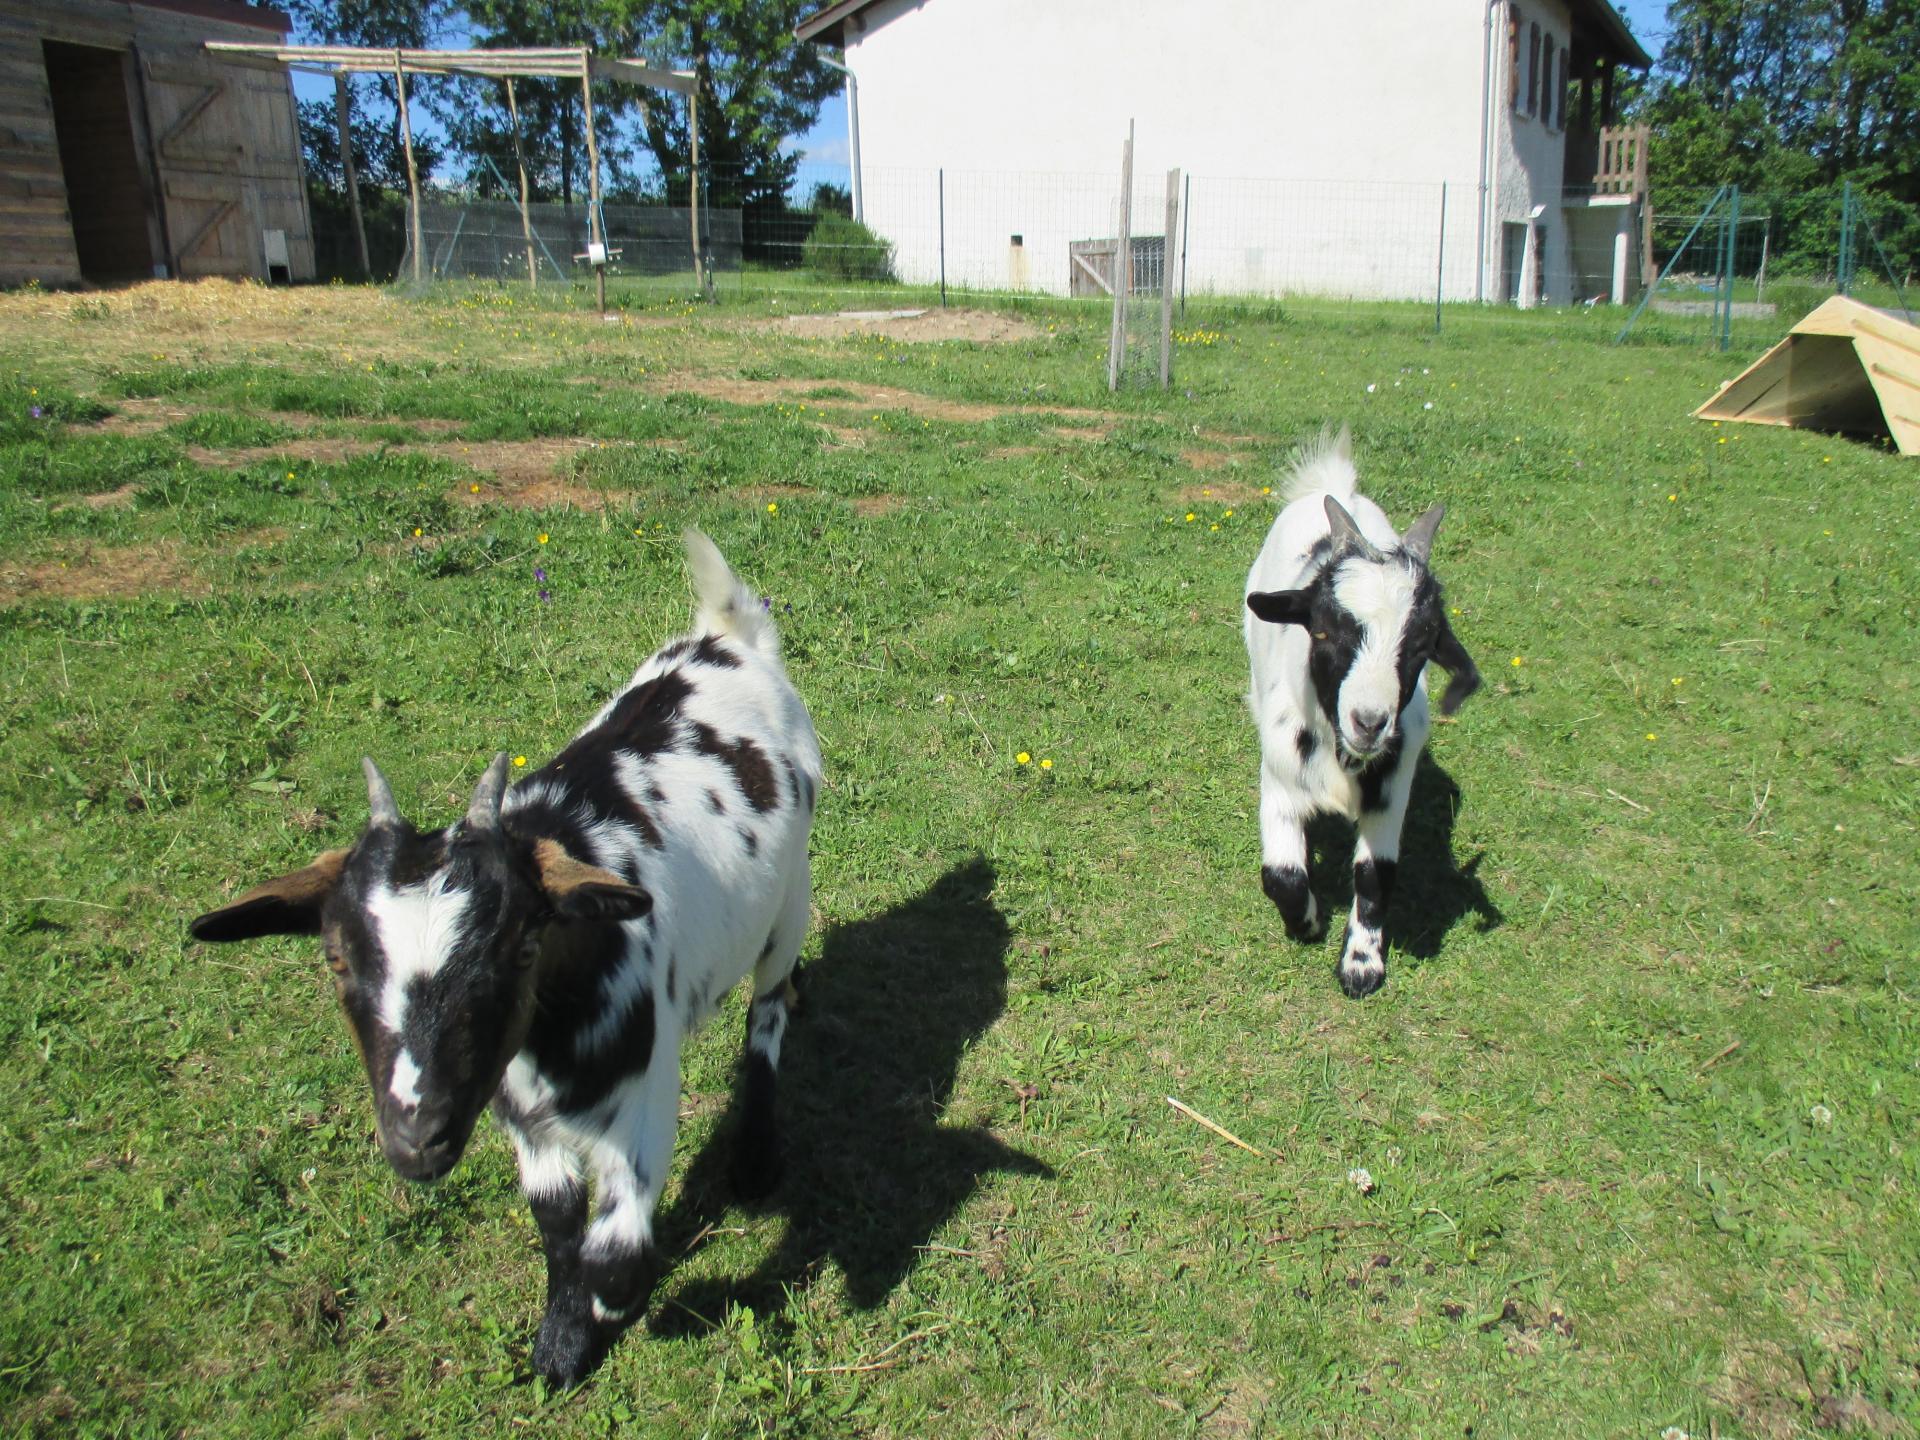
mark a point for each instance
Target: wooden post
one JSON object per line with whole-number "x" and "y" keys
{"x": 1122, "y": 267}
{"x": 413, "y": 174}
{"x": 342, "y": 113}
{"x": 596, "y": 222}
{"x": 701, "y": 278}
{"x": 520, "y": 158}
{"x": 1166, "y": 279}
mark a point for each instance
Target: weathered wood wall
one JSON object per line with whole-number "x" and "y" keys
{"x": 216, "y": 143}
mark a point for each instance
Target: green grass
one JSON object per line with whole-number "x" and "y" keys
{"x": 1639, "y": 1099}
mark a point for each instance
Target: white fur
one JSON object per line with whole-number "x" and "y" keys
{"x": 417, "y": 928}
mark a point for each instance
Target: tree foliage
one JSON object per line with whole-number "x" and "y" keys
{"x": 1789, "y": 99}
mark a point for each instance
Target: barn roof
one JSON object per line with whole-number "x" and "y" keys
{"x": 1605, "y": 31}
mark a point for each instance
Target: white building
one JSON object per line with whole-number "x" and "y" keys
{"x": 1317, "y": 137}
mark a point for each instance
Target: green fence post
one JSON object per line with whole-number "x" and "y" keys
{"x": 1733, "y": 245}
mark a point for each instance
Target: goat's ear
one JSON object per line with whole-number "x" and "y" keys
{"x": 1466, "y": 675}
{"x": 1280, "y": 607}
{"x": 288, "y": 905}
{"x": 579, "y": 891}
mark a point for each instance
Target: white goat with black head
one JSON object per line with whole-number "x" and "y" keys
{"x": 1342, "y": 617}
{"x": 550, "y": 952}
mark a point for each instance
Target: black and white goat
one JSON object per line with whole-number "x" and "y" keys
{"x": 1342, "y": 617}
{"x": 550, "y": 952}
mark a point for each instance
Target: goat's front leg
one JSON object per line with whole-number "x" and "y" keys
{"x": 1376, "y": 854}
{"x": 619, "y": 1261}
{"x": 1283, "y": 858}
{"x": 565, "y": 1350}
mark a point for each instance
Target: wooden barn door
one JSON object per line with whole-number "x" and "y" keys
{"x": 228, "y": 151}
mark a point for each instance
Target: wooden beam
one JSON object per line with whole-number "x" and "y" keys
{"x": 520, "y": 159}
{"x": 1092, "y": 273}
{"x": 413, "y": 175}
{"x": 214, "y": 90}
{"x": 1166, "y": 278}
{"x": 596, "y": 222}
{"x": 680, "y": 82}
{"x": 342, "y": 112}
{"x": 212, "y": 223}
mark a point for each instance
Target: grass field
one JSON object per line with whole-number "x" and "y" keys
{"x": 1638, "y": 1102}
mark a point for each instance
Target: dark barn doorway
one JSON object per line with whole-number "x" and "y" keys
{"x": 93, "y": 125}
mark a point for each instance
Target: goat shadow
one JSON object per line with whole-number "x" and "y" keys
{"x": 866, "y": 1071}
{"x": 1431, "y": 892}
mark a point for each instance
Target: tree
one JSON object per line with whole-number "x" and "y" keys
{"x": 1793, "y": 99}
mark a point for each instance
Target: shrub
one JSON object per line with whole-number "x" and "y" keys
{"x": 839, "y": 248}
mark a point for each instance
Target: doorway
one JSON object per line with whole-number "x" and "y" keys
{"x": 106, "y": 193}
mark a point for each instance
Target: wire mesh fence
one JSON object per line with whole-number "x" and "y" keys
{"x": 919, "y": 236}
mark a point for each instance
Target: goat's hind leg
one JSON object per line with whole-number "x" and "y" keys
{"x": 1283, "y": 860}
{"x": 757, "y": 1159}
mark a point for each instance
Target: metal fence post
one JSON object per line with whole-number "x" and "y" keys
{"x": 1733, "y": 245}
{"x": 943, "y": 237}
{"x": 1843, "y": 263}
{"x": 1440, "y": 263}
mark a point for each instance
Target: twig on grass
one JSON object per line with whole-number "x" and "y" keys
{"x": 1625, "y": 801}
{"x": 1718, "y": 1058}
{"x": 879, "y": 1361}
{"x": 1220, "y": 1130}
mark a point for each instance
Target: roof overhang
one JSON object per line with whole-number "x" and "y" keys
{"x": 1607, "y": 35}
{"x": 829, "y": 26}
{"x": 231, "y": 12}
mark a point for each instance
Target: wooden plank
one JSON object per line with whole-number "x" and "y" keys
{"x": 210, "y": 91}
{"x": 1122, "y": 268}
{"x": 1093, "y": 274}
{"x": 1166, "y": 278}
{"x": 203, "y": 189}
{"x": 207, "y": 228}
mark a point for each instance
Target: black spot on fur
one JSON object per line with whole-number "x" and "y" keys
{"x": 576, "y": 964}
{"x": 751, "y": 770}
{"x": 1372, "y": 889}
{"x": 715, "y": 803}
{"x": 767, "y": 949}
{"x": 1306, "y": 743}
{"x": 1374, "y": 777}
{"x": 1286, "y": 886}
{"x": 750, "y": 840}
{"x": 711, "y": 652}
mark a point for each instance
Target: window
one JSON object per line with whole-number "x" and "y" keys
{"x": 1513, "y": 57}
{"x": 1533, "y": 69}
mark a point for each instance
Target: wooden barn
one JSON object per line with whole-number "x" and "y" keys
{"x": 128, "y": 151}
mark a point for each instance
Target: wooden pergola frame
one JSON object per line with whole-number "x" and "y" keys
{"x": 567, "y": 63}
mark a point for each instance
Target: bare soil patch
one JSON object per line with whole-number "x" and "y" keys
{"x": 871, "y": 505}
{"x": 144, "y": 416}
{"x": 103, "y": 573}
{"x": 738, "y": 391}
{"x": 1220, "y": 492}
{"x": 1014, "y": 452}
{"x": 119, "y": 499}
{"x": 984, "y": 327}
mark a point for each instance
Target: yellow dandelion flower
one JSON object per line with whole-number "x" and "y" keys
{"x": 1266, "y": 489}
{"x": 1214, "y": 526}
{"x": 543, "y": 537}
{"x": 1679, "y": 679}
{"x": 519, "y": 761}
{"x": 1189, "y": 517}
{"x": 1456, "y": 609}
{"x": 473, "y": 489}
{"x": 1205, "y": 491}
{"x": 773, "y": 507}
{"x": 1652, "y": 736}
{"x": 290, "y": 474}
{"x": 1672, "y": 498}
{"x": 1022, "y": 758}
{"x": 1227, "y": 516}
{"x": 416, "y": 532}
{"x": 1046, "y": 764}
{"x": 1518, "y": 662}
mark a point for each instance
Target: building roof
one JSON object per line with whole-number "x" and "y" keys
{"x": 233, "y": 12}
{"x": 1607, "y": 33}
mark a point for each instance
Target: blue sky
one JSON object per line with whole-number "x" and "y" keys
{"x": 825, "y": 148}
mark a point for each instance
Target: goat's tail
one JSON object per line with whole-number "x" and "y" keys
{"x": 727, "y": 606}
{"x": 1325, "y": 464}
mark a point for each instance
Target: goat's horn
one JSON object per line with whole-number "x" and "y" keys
{"x": 1418, "y": 541}
{"x": 379, "y": 795}
{"x": 484, "y": 812}
{"x": 1345, "y": 532}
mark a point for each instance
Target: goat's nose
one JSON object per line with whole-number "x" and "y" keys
{"x": 417, "y": 1131}
{"x": 1369, "y": 725}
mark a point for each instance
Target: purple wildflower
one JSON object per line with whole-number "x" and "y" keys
{"x": 35, "y": 412}
{"x": 539, "y": 574}
{"x": 766, "y": 602}
{"x": 545, "y": 596}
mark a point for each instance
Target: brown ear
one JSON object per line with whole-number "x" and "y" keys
{"x": 579, "y": 891}
{"x": 288, "y": 905}
{"x": 1466, "y": 675}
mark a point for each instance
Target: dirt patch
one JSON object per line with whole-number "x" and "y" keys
{"x": 103, "y": 573}
{"x": 144, "y": 417}
{"x": 1014, "y": 452}
{"x": 120, "y": 499}
{"x": 984, "y": 327}
{"x": 872, "y": 505}
{"x": 1220, "y": 492}
{"x": 1208, "y": 459}
{"x": 737, "y": 391}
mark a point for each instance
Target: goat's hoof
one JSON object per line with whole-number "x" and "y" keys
{"x": 566, "y": 1352}
{"x": 1361, "y": 974}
